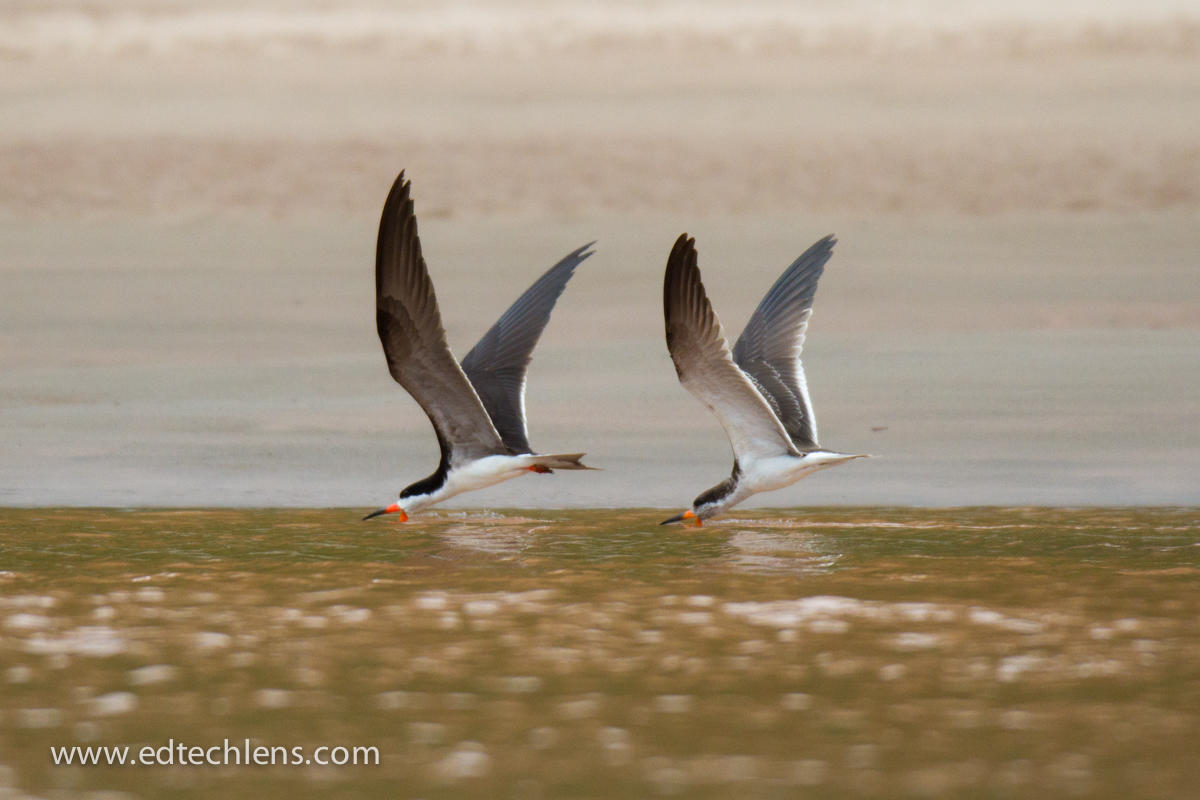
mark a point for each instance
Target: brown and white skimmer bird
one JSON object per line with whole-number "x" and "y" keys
{"x": 757, "y": 391}
{"x": 477, "y": 408}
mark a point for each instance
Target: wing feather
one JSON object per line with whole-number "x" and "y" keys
{"x": 497, "y": 364}
{"x": 705, "y": 365}
{"x": 769, "y": 348}
{"x": 414, "y": 341}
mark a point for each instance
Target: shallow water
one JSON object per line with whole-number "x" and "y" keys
{"x": 873, "y": 652}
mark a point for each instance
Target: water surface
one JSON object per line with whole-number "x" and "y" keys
{"x": 862, "y": 652}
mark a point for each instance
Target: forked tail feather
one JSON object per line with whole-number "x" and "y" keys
{"x": 559, "y": 460}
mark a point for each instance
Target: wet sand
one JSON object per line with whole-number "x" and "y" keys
{"x": 187, "y": 222}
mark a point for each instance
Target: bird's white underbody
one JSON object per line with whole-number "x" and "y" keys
{"x": 774, "y": 472}
{"x": 768, "y": 474}
{"x": 478, "y": 474}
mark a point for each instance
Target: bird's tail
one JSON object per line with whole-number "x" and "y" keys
{"x": 558, "y": 461}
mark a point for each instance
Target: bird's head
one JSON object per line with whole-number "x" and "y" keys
{"x": 394, "y": 508}
{"x": 685, "y": 517}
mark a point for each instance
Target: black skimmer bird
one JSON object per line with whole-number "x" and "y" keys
{"x": 757, "y": 390}
{"x": 477, "y": 408}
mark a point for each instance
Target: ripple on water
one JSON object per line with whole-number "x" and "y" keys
{"x": 760, "y": 551}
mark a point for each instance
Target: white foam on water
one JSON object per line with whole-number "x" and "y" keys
{"x": 152, "y": 674}
{"x": 24, "y": 621}
{"x": 112, "y": 704}
{"x": 273, "y": 698}
{"x": 89, "y": 641}
{"x": 466, "y": 760}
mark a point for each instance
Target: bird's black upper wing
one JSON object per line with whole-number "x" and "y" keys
{"x": 414, "y": 342}
{"x": 496, "y": 365}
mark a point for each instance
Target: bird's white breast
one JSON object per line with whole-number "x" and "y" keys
{"x": 487, "y": 471}
{"x": 773, "y": 472}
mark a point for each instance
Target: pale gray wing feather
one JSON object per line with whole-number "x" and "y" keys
{"x": 414, "y": 342}
{"x": 705, "y": 365}
{"x": 769, "y": 348}
{"x": 496, "y": 365}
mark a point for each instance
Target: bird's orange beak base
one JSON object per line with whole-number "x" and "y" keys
{"x": 684, "y": 517}
{"x": 394, "y": 508}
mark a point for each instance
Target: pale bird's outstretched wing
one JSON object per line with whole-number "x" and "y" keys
{"x": 414, "y": 342}
{"x": 496, "y": 365}
{"x": 769, "y": 348}
{"x": 705, "y": 365}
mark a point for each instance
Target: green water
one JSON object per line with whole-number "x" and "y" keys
{"x": 554, "y": 654}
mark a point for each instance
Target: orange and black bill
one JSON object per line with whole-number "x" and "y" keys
{"x": 392, "y": 509}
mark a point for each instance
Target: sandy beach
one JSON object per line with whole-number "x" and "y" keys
{"x": 187, "y": 223}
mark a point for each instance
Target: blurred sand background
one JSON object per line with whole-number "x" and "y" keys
{"x": 190, "y": 196}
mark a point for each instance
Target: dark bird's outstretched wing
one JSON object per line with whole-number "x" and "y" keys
{"x": 414, "y": 342}
{"x": 769, "y": 348}
{"x": 496, "y": 365}
{"x": 705, "y": 366}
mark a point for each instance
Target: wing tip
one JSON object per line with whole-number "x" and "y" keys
{"x": 684, "y": 242}
{"x": 576, "y": 257}
{"x": 683, "y": 252}
{"x": 822, "y": 247}
{"x": 565, "y": 266}
{"x": 682, "y": 277}
{"x": 397, "y": 226}
{"x": 671, "y": 279}
{"x": 398, "y": 204}
{"x": 401, "y": 189}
